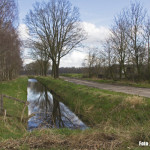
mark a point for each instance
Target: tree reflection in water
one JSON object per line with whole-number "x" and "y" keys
{"x": 48, "y": 111}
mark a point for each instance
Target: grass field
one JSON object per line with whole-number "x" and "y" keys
{"x": 144, "y": 84}
{"x": 116, "y": 121}
{"x": 11, "y": 125}
{"x": 124, "y": 116}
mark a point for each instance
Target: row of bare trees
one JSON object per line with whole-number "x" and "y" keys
{"x": 55, "y": 30}
{"x": 10, "y": 59}
{"x": 36, "y": 68}
{"x": 126, "y": 52}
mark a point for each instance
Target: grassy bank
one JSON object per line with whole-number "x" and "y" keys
{"x": 96, "y": 106}
{"x": 144, "y": 84}
{"x": 122, "y": 115}
{"x": 11, "y": 125}
{"x": 117, "y": 121}
{"x": 65, "y": 139}
{"x": 72, "y": 75}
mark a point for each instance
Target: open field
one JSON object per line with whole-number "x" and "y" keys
{"x": 11, "y": 125}
{"x": 108, "y": 112}
{"x": 142, "y": 84}
{"x": 115, "y": 120}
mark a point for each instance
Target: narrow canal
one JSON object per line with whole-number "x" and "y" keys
{"x": 47, "y": 111}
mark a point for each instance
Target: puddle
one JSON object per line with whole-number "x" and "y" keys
{"x": 47, "y": 111}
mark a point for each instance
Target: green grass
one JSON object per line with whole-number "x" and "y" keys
{"x": 116, "y": 120}
{"x": 72, "y": 75}
{"x": 11, "y": 125}
{"x": 104, "y": 110}
{"x": 143, "y": 84}
{"x": 95, "y": 106}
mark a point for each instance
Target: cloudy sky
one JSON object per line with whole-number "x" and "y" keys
{"x": 96, "y": 16}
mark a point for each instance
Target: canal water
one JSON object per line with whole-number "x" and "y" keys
{"x": 47, "y": 111}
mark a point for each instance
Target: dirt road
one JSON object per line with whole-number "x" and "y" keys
{"x": 145, "y": 92}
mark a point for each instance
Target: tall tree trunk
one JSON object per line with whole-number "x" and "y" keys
{"x": 148, "y": 58}
{"x": 120, "y": 70}
{"x": 45, "y": 68}
{"x": 52, "y": 73}
{"x": 55, "y": 70}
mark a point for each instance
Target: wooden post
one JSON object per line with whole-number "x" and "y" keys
{"x": 5, "y": 114}
{"x": 1, "y": 104}
{"x": 24, "y": 110}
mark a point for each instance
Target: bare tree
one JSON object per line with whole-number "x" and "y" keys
{"x": 39, "y": 53}
{"x": 125, "y": 46}
{"x": 8, "y": 13}
{"x": 56, "y": 24}
{"x": 35, "y": 68}
{"x": 147, "y": 37}
{"x": 110, "y": 57}
{"x": 94, "y": 62}
{"x": 119, "y": 41}
{"x": 135, "y": 17}
{"x": 10, "y": 59}
{"x": 90, "y": 63}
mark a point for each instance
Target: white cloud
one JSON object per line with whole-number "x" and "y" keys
{"x": 94, "y": 36}
{"x": 27, "y": 61}
{"x": 23, "y": 32}
{"x": 74, "y": 59}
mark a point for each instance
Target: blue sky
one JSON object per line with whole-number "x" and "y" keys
{"x": 97, "y": 16}
{"x": 99, "y": 12}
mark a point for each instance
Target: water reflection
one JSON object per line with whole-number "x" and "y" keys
{"x": 47, "y": 111}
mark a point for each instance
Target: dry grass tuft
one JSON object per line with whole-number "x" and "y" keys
{"x": 85, "y": 140}
{"x": 135, "y": 100}
{"x": 43, "y": 141}
{"x": 95, "y": 141}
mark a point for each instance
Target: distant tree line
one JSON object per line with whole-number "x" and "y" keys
{"x": 126, "y": 52}
{"x": 71, "y": 70}
{"x": 34, "y": 68}
{"x": 10, "y": 59}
